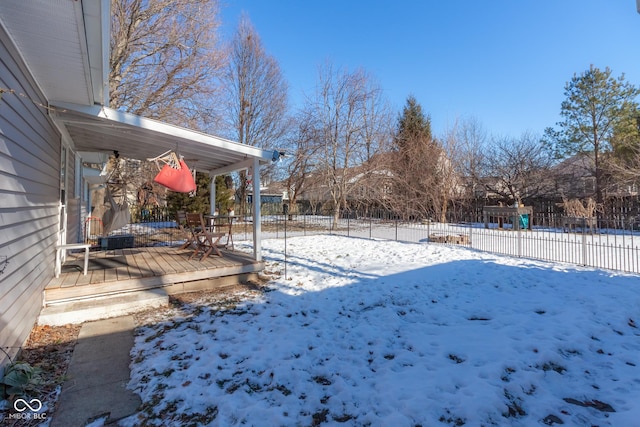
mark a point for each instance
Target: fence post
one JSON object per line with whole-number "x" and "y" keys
{"x": 348, "y": 224}
{"x": 584, "y": 242}
{"x": 428, "y": 230}
{"x": 519, "y": 242}
{"x": 471, "y": 235}
{"x": 285, "y": 247}
{"x": 396, "y": 230}
{"x": 370, "y": 226}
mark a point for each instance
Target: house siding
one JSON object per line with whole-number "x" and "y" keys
{"x": 29, "y": 199}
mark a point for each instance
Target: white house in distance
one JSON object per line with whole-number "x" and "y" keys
{"x": 53, "y": 110}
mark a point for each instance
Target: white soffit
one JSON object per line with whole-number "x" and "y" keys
{"x": 53, "y": 37}
{"x": 103, "y": 129}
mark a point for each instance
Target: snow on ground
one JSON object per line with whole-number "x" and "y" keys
{"x": 381, "y": 333}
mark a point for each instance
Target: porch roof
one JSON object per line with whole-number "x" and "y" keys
{"x": 103, "y": 129}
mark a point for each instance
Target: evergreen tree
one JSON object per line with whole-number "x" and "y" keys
{"x": 625, "y": 162}
{"x": 413, "y": 125}
{"x": 198, "y": 203}
{"x": 415, "y": 163}
{"x": 597, "y": 107}
{"x": 224, "y": 194}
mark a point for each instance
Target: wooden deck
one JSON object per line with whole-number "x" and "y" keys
{"x": 126, "y": 270}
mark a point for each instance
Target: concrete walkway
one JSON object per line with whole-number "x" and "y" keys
{"x": 98, "y": 375}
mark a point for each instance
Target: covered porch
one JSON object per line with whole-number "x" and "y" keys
{"x": 100, "y": 129}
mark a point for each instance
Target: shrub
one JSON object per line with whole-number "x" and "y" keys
{"x": 19, "y": 380}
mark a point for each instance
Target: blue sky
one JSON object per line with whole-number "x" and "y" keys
{"x": 503, "y": 62}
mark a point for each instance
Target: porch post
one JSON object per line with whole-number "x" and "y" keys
{"x": 257, "y": 229}
{"x": 212, "y": 192}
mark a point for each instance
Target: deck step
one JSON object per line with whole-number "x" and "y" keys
{"x": 103, "y": 307}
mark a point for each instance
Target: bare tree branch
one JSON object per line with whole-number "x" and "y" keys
{"x": 348, "y": 125}
{"x": 165, "y": 60}
{"x": 519, "y": 168}
{"x": 256, "y": 96}
{"x": 256, "y": 92}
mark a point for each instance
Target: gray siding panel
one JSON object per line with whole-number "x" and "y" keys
{"x": 29, "y": 199}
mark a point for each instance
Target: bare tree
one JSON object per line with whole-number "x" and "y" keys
{"x": 346, "y": 117}
{"x": 165, "y": 63}
{"x": 256, "y": 95}
{"x": 165, "y": 60}
{"x": 299, "y": 159}
{"x": 518, "y": 168}
{"x": 469, "y": 160}
{"x": 456, "y": 155}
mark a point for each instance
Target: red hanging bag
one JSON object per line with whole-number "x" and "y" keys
{"x": 180, "y": 180}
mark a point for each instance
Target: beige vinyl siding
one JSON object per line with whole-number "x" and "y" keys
{"x": 29, "y": 198}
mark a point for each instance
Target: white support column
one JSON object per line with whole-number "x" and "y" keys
{"x": 257, "y": 229}
{"x": 212, "y": 192}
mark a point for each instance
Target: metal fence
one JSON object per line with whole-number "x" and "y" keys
{"x": 147, "y": 228}
{"x": 614, "y": 248}
{"x": 613, "y": 245}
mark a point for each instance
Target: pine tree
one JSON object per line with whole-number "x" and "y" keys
{"x": 197, "y": 203}
{"x": 413, "y": 125}
{"x": 415, "y": 164}
{"x": 597, "y": 107}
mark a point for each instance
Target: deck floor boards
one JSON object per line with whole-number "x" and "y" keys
{"x": 133, "y": 269}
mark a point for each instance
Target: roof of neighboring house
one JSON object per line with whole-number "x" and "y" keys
{"x": 579, "y": 165}
{"x": 65, "y": 45}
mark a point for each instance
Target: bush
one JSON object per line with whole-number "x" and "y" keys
{"x": 19, "y": 380}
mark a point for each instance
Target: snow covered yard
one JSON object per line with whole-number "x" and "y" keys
{"x": 380, "y": 333}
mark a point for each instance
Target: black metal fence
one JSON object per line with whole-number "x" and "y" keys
{"x": 608, "y": 244}
{"x": 148, "y": 227}
{"x": 612, "y": 243}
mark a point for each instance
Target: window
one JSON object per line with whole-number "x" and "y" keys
{"x": 589, "y": 185}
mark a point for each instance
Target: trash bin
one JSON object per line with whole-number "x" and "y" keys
{"x": 524, "y": 221}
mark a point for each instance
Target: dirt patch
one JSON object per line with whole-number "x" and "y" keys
{"x": 215, "y": 294}
{"x": 48, "y": 348}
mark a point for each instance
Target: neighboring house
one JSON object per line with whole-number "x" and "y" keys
{"x": 364, "y": 183}
{"x": 575, "y": 177}
{"x": 372, "y": 183}
{"x": 55, "y": 131}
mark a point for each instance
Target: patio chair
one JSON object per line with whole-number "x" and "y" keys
{"x": 205, "y": 241}
{"x": 181, "y": 220}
